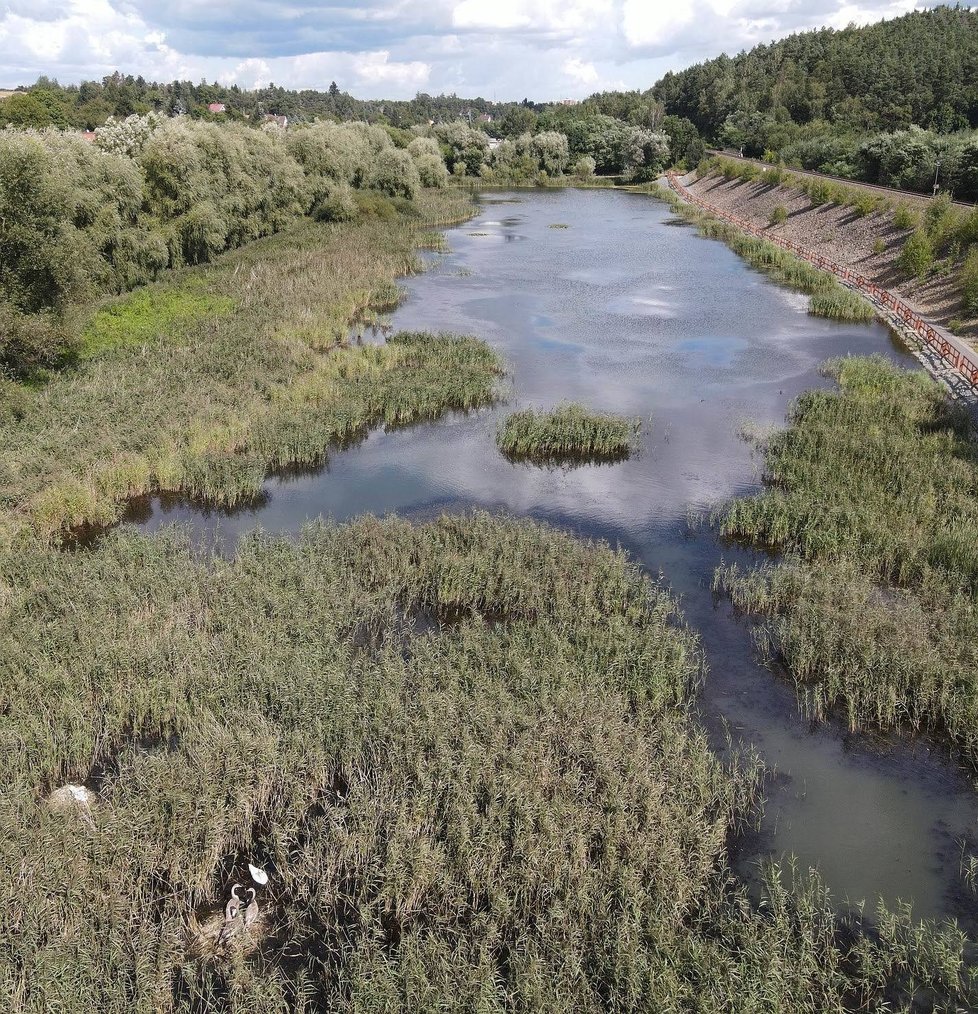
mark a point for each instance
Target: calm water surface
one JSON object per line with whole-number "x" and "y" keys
{"x": 627, "y": 310}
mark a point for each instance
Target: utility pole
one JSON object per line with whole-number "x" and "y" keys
{"x": 937, "y": 169}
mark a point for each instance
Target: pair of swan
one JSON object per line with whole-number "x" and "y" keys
{"x": 233, "y": 909}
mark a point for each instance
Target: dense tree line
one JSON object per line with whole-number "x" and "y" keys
{"x": 894, "y": 103}
{"x": 46, "y": 103}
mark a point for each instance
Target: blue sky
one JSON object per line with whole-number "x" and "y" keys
{"x": 502, "y": 49}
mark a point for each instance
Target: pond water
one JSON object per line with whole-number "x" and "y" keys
{"x": 628, "y": 310}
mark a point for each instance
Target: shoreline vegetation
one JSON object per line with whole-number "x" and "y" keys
{"x": 472, "y": 771}
{"x": 930, "y": 251}
{"x": 233, "y": 368}
{"x": 828, "y": 298}
{"x": 567, "y": 434}
{"x": 872, "y": 495}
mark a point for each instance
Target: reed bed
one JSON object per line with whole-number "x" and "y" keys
{"x": 204, "y": 382}
{"x": 873, "y": 493}
{"x": 465, "y": 753}
{"x": 567, "y": 433}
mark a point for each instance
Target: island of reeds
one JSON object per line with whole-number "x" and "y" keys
{"x": 872, "y": 496}
{"x": 569, "y": 433}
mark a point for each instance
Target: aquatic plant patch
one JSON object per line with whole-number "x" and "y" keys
{"x": 567, "y": 433}
{"x": 873, "y": 493}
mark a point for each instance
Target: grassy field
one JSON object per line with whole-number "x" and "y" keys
{"x": 205, "y": 381}
{"x": 567, "y": 433}
{"x": 828, "y": 297}
{"x": 464, "y": 752}
{"x": 873, "y": 493}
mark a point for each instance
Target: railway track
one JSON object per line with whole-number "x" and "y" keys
{"x": 918, "y": 200}
{"x": 946, "y": 357}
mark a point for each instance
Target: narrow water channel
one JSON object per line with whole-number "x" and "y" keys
{"x": 623, "y": 308}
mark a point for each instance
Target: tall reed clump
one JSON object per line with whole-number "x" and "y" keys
{"x": 872, "y": 494}
{"x": 567, "y": 433}
{"x": 465, "y": 753}
{"x": 180, "y": 393}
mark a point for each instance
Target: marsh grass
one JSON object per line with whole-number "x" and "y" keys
{"x": 873, "y": 493}
{"x": 566, "y": 434}
{"x": 205, "y": 402}
{"x": 465, "y": 752}
{"x": 148, "y": 312}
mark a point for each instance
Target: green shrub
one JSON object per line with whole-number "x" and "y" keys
{"x": 940, "y": 219}
{"x": 969, "y": 284}
{"x": 879, "y": 245}
{"x": 968, "y": 228}
{"x": 779, "y": 215}
{"x": 584, "y": 167}
{"x": 338, "y": 204}
{"x": 33, "y": 342}
{"x": 917, "y": 255}
{"x": 431, "y": 170}
{"x": 394, "y": 173}
{"x": 819, "y": 192}
{"x": 905, "y": 217}
{"x": 864, "y": 202}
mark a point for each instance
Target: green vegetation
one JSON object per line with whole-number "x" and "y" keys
{"x": 81, "y": 220}
{"x": 567, "y": 433}
{"x": 839, "y": 303}
{"x": 465, "y": 753}
{"x": 148, "y": 312}
{"x": 905, "y": 217}
{"x": 883, "y": 103}
{"x": 969, "y": 283}
{"x": 779, "y": 215}
{"x": 941, "y": 234}
{"x": 873, "y": 493}
{"x": 207, "y": 403}
{"x": 917, "y": 255}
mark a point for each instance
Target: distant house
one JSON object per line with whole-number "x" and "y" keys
{"x": 568, "y": 102}
{"x": 88, "y": 135}
{"x": 484, "y": 118}
{"x": 215, "y": 107}
{"x": 279, "y": 121}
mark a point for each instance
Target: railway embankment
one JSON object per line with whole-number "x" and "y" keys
{"x": 870, "y": 244}
{"x": 862, "y": 249}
